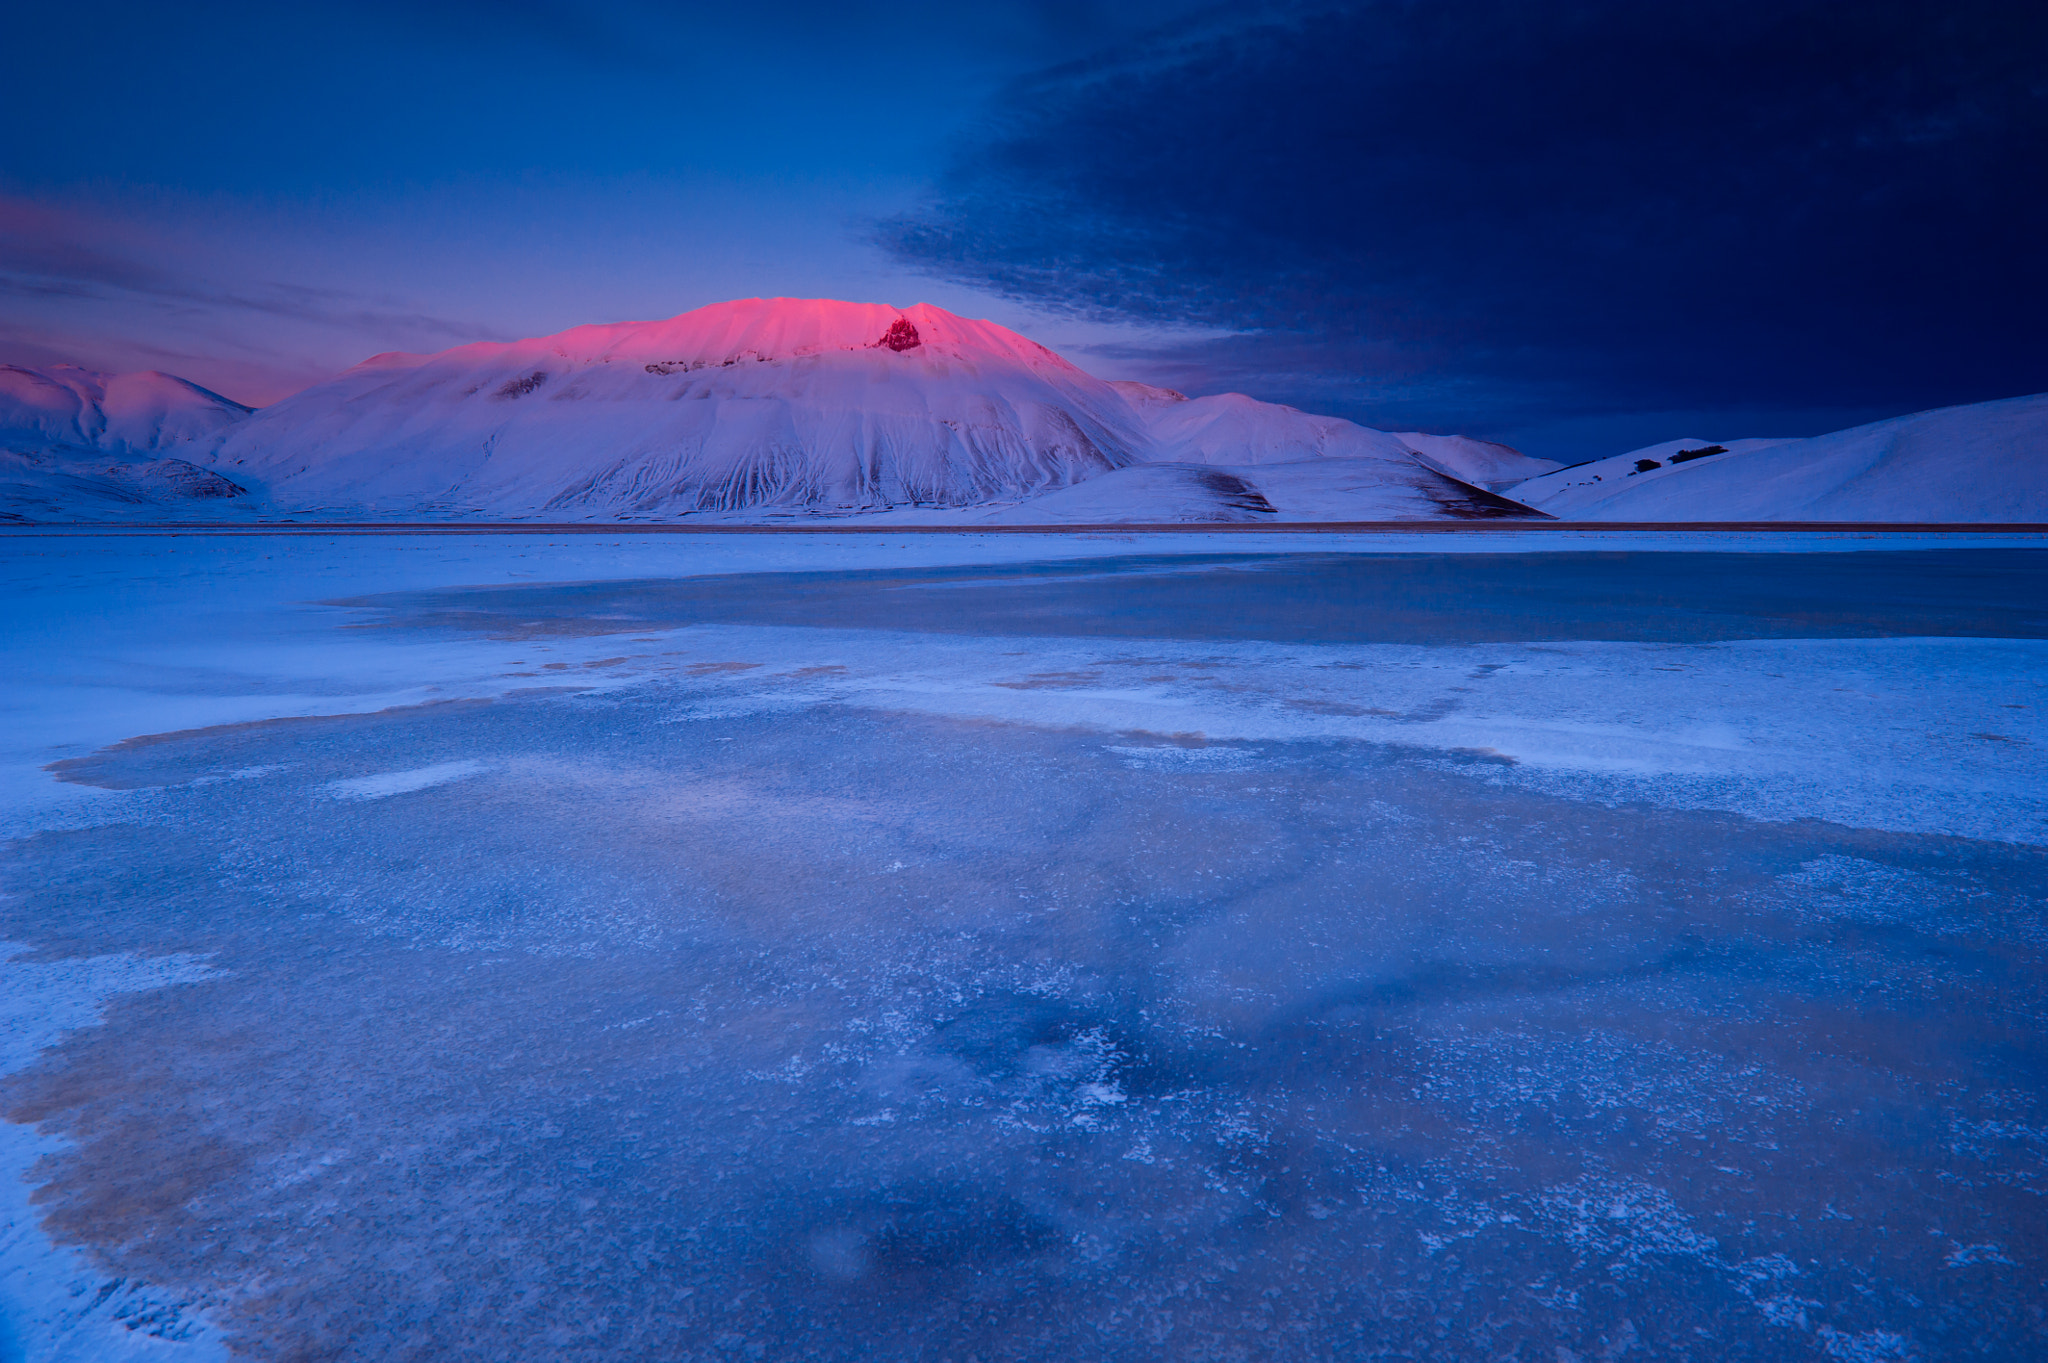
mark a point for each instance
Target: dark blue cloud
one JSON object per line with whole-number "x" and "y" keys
{"x": 1539, "y": 210}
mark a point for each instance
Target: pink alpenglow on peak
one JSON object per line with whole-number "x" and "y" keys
{"x": 756, "y": 330}
{"x": 781, "y": 406}
{"x": 788, "y": 405}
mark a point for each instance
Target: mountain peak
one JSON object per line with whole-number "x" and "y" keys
{"x": 758, "y": 331}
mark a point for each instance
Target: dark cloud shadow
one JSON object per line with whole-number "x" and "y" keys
{"x": 1540, "y": 212}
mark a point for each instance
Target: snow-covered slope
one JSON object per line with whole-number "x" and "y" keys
{"x": 1360, "y": 488}
{"x": 780, "y": 407}
{"x": 760, "y": 404}
{"x": 1984, "y": 462}
{"x": 78, "y": 443}
{"x": 777, "y": 406}
{"x": 64, "y": 407}
{"x": 1231, "y": 428}
{"x": 1148, "y": 493}
{"x": 1484, "y": 462}
{"x": 1568, "y": 492}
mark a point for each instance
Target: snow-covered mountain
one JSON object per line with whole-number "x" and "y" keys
{"x": 75, "y": 442}
{"x": 778, "y": 403}
{"x": 1569, "y": 493}
{"x": 773, "y": 408}
{"x": 1984, "y": 462}
{"x": 125, "y": 414}
{"x": 1488, "y": 463}
{"x": 790, "y": 406}
{"x": 1231, "y": 428}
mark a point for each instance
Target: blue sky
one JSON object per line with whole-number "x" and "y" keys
{"x": 1574, "y": 226}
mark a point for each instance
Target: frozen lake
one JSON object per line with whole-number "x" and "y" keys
{"x": 1560, "y": 948}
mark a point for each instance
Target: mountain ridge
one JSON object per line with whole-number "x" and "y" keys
{"x": 772, "y": 407}
{"x": 767, "y": 409}
{"x": 1981, "y": 462}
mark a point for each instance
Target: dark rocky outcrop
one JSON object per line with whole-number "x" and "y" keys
{"x": 901, "y": 336}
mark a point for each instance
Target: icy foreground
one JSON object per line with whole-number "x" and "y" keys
{"x": 1027, "y": 948}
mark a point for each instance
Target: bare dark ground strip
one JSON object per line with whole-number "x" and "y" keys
{"x": 55, "y": 528}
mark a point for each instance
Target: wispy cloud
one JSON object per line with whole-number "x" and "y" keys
{"x": 52, "y": 252}
{"x": 108, "y": 288}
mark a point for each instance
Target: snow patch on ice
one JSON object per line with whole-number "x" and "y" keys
{"x": 386, "y": 784}
{"x": 1624, "y": 1221}
{"x": 1868, "y": 1346}
{"x": 1168, "y": 757}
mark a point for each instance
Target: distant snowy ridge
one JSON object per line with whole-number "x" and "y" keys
{"x": 1986, "y": 462}
{"x": 778, "y": 407}
{"x": 128, "y": 414}
{"x": 1231, "y": 428}
{"x": 772, "y": 409}
{"x": 75, "y": 441}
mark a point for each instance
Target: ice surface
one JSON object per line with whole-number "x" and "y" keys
{"x": 54, "y": 1304}
{"x": 1017, "y": 948}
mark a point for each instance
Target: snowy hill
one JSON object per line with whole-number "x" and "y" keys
{"x": 1485, "y": 462}
{"x": 77, "y": 442}
{"x": 1233, "y": 429}
{"x": 1569, "y": 492}
{"x": 1983, "y": 462}
{"x": 791, "y": 406}
{"x": 129, "y": 414}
